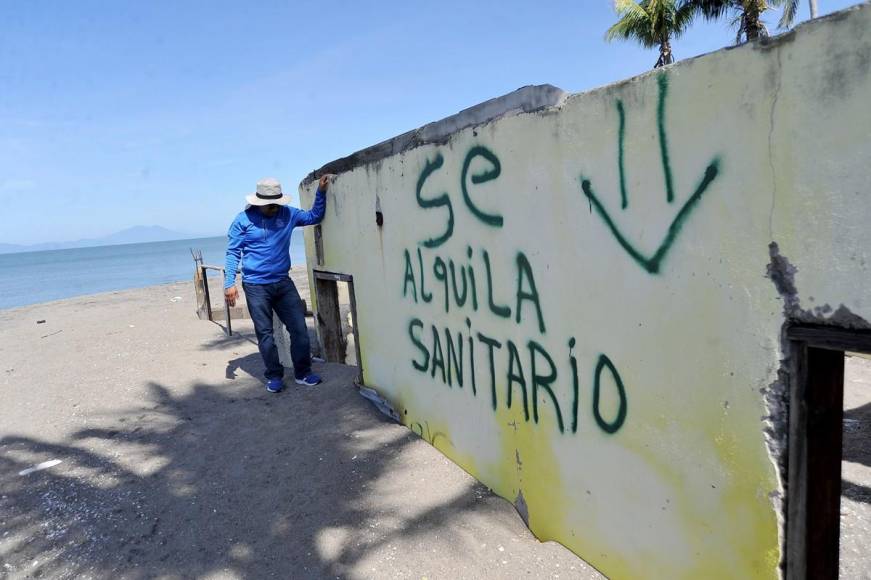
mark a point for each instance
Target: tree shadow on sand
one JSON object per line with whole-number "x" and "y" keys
{"x": 857, "y": 435}
{"x": 857, "y": 449}
{"x": 205, "y": 479}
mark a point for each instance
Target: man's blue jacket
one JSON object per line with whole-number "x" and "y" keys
{"x": 263, "y": 244}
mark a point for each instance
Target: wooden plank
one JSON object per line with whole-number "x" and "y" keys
{"x": 236, "y": 312}
{"x": 796, "y": 497}
{"x": 831, "y": 338}
{"x": 356, "y": 332}
{"x": 329, "y": 320}
{"x": 229, "y": 317}
{"x": 825, "y": 414}
{"x": 206, "y": 292}
{"x": 201, "y": 296}
{"x": 335, "y": 276}
{"x": 239, "y": 312}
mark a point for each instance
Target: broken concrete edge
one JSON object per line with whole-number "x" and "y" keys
{"x": 527, "y": 99}
{"x": 531, "y": 99}
{"x": 380, "y": 403}
{"x": 782, "y": 273}
{"x": 776, "y": 395}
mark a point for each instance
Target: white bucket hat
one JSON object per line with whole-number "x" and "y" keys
{"x": 268, "y": 192}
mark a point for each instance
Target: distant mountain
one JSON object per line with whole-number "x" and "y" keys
{"x": 134, "y": 235}
{"x": 141, "y": 234}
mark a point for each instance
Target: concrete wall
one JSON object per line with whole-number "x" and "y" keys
{"x": 579, "y": 298}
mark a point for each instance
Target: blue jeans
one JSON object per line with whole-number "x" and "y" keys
{"x": 283, "y": 298}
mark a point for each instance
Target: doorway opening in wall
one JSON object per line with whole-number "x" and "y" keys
{"x": 829, "y": 479}
{"x": 336, "y": 319}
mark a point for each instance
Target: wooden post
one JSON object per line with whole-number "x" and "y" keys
{"x": 206, "y": 293}
{"x": 356, "y": 332}
{"x": 319, "y": 246}
{"x": 825, "y": 416}
{"x": 227, "y": 317}
{"x": 816, "y": 411}
{"x": 201, "y": 297}
{"x": 329, "y": 320}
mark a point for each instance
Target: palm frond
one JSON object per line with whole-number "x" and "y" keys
{"x": 683, "y": 17}
{"x": 790, "y": 9}
{"x": 626, "y": 6}
{"x": 634, "y": 23}
{"x": 712, "y": 9}
{"x": 652, "y": 23}
{"x": 624, "y": 30}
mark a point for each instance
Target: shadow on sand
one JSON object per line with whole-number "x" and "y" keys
{"x": 215, "y": 479}
{"x": 857, "y": 449}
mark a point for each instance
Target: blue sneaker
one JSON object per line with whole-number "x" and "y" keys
{"x": 309, "y": 380}
{"x": 274, "y": 385}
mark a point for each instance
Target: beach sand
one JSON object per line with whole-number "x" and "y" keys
{"x": 174, "y": 462}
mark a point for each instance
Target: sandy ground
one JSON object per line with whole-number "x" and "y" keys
{"x": 176, "y": 463}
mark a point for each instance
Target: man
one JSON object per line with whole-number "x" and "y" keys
{"x": 260, "y": 236}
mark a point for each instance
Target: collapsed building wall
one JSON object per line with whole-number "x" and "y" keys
{"x": 580, "y": 298}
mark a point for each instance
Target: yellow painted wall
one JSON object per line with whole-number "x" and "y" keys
{"x": 667, "y": 297}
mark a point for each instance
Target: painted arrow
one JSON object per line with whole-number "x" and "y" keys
{"x": 651, "y": 263}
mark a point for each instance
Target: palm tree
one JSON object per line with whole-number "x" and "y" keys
{"x": 790, "y": 9}
{"x": 653, "y": 23}
{"x": 747, "y": 14}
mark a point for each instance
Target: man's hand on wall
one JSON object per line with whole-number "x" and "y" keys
{"x": 230, "y": 294}
{"x": 324, "y": 183}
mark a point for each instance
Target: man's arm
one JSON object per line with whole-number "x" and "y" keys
{"x": 235, "y": 241}
{"x": 315, "y": 215}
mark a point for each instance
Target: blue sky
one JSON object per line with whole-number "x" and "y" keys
{"x": 114, "y": 114}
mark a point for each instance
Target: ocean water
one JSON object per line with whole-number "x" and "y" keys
{"x": 33, "y": 277}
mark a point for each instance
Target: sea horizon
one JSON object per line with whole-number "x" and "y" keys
{"x": 109, "y": 245}
{"x": 39, "y": 276}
